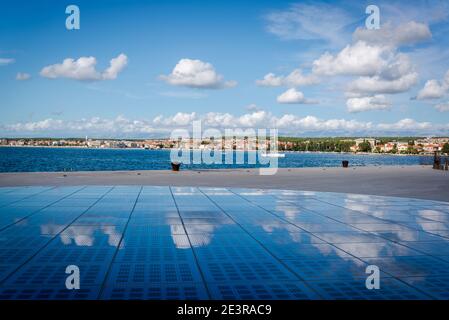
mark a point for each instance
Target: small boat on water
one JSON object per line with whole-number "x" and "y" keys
{"x": 273, "y": 155}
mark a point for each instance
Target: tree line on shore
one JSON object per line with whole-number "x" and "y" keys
{"x": 314, "y": 145}
{"x": 346, "y": 145}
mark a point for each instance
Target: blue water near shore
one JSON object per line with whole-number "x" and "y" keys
{"x": 20, "y": 159}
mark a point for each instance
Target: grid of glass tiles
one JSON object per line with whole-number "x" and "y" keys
{"x": 133, "y": 242}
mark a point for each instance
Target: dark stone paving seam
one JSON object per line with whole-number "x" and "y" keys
{"x": 426, "y": 294}
{"x": 403, "y": 224}
{"x": 370, "y": 232}
{"x": 103, "y": 285}
{"x": 191, "y": 247}
{"x": 264, "y": 247}
{"x": 380, "y": 236}
{"x": 37, "y": 211}
{"x": 7, "y": 192}
{"x": 29, "y": 196}
{"x": 54, "y": 237}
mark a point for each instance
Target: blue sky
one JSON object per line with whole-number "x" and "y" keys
{"x": 179, "y": 61}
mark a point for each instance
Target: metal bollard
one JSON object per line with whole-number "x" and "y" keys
{"x": 175, "y": 166}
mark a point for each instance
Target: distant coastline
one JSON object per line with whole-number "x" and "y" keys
{"x": 353, "y": 145}
{"x": 168, "y": 149}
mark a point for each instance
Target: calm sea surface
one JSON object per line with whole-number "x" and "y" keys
{"x": 73, "y": 159}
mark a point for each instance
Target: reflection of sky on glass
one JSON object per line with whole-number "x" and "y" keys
{"x": 251, "y": 235}
{"x": 85, "y": 235}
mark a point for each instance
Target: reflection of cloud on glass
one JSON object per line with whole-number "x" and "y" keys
{"x": 271, "y": 226}
{"x": 298, "y": 237}
{"x": 176, "y": 229}
{"x": 368, "y": 249}
{"x": 83, "y": 236}
{"x": 358, "y": 197}
{"x": 51, "y": 228}
{"x": 333, "y": 251}
{"x": 200, "y": 234}
{"x": 368, "y": 210}
{"x": 434, "y": 215}
{"x": 114, "y": 236}
{"x": 305, "y": 193}
{"x": 365, "y": 204}
{"x": 370, "y": 205}
{"x": 289, "y": 212}
{"x": 181, "y": 241}
{"x": 405, "y": 235}
{"x": 431, "y": 226}
{"x": 292, "y": 212}
{"x": 252, "y": 193}
{"x": 351, "y": 203}
{"x": 366, "y": 199}
{"x": 358, "y": 206}
{"x": 80, "y": 240}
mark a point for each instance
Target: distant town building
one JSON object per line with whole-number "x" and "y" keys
{"x": 402, "y": 146}
{"x": 371, "y": 141}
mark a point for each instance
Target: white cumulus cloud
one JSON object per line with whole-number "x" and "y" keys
{"x": 379, "y": 85}
{"x": 408, "y": 124}
{"x": 306, "y": 124}
{"x": 381, "y": 69}
{"x": 116, "y": 66}
{"x": 378, "y": 102}
{"x": 163, "y": 125}
{"x": 196, "y": 74}
{"x": 179, "y": 119}
{"x": 270, "y": 80}
{"x": 293, "y": 96}
{"x": 295, "y": 79}
{"x": 434, "y": 89}
{"x": 359, "y": 59}
{"x": 84, "y": 68}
